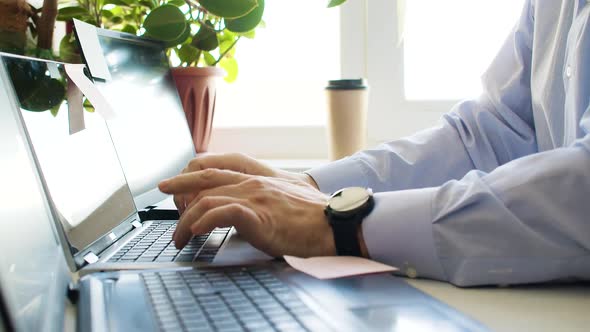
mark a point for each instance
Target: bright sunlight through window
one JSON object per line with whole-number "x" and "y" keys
{"x": 449, "y": 44}
{"x": 284, "y": 69}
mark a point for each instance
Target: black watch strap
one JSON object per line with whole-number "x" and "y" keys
{"x": 346, "y": 239}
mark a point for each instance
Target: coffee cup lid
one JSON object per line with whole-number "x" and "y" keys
{"x": 347, "y": 84}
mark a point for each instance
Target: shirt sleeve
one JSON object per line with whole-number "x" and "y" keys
{"x": 473, "y": 201}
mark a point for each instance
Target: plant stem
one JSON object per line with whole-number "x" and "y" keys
{"x": 46, "y": 24}
{"x": 228, "y": 49}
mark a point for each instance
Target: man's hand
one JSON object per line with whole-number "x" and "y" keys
{"x": 236, "y": 162}
{"x": 277, "y": 215}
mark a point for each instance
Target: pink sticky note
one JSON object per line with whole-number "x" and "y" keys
{"x": 330, "y": 267}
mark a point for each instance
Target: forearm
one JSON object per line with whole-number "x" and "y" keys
{"x": 526, "y": 221}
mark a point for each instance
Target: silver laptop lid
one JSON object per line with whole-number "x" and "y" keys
{"x": 150, "y": 131}
{"x": 33, "y": 271}
{"x": 76, "y": 158}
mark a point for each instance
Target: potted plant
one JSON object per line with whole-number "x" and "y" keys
{"x": 201, "y": 34}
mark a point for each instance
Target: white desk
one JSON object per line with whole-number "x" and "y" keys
{"x": 532, "y": 308}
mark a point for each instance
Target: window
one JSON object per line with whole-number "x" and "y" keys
{"x": 276, "y": 107}
{"x": 446, "y": 46}
{"x": 284, "y": 69}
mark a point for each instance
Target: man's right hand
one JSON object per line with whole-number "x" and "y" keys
{"x": 236, "y": 162}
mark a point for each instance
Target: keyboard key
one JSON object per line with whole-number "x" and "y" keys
{"x": 165, "y": 259}
{"x": 184, "y": 258}
{"x": 215, "y": 241}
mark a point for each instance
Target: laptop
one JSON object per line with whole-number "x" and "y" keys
{"x": 87, "y": 188}
{"x": 39, "y": 294}
{"x": 150, "y": 131}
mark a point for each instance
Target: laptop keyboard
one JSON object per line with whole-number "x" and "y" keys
{"x": 244, "y": 299}
{"x": 154, "y": 244}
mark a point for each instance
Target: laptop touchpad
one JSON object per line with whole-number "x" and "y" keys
{"x": 407, "y": 318}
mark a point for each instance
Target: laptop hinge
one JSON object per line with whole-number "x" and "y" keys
{"x": 136, "y": 224}
{"x": 90, "y": 258}
{"x": 73, "y": 292}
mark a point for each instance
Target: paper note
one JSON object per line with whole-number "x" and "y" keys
{"x": 53, "y": 70}
{"x": 101, "y": 105}
{"x": 75, "y": 108}
{"x": 330, "y": 267}
{"x": 93, "y": 54}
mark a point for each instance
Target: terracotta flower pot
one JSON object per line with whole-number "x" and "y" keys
{"x": 197, "y": 89}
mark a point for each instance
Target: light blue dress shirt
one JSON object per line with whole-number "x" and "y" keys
{"x": 499, "y": 193}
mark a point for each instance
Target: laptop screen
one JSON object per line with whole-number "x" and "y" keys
{"x": 150, "y": 131}
{"x": 74, "y": 150}
{"x": 33, "y": 272}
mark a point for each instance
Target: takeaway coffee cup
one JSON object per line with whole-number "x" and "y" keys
{"x": 347, "y": 101}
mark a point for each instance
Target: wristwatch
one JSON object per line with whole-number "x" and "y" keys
{"x": 346, "y": 210}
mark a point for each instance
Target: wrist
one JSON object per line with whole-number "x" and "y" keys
{"x": 309, "y": 180}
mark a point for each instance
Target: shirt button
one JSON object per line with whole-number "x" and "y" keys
{"x": 568, "y": 69}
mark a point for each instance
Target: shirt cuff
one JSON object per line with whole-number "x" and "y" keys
{"x": 398, "y": 232}
{"x": 347, "y": 172}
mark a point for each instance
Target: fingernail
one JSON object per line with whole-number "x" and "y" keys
{"x": 163, "y": 185}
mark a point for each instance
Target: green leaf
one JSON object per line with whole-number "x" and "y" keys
{"x": 225, "y": 45}
{"x": 206, "y": 38}
{"x": 45, "y": 95}
{"x": 226, "y": 35}
{"x": 68, "y": 49}
{"x": 118, "y": 11}
{"x": 183, "y": 37}
{"x": 250, "y": 34}
{"x": 334, "y": 3}
{"x": 247, "y": 22}
{"x": 188, "y": 54}
{"x": 116, "y": 2}
{"x": 231, "y": 67}
{"x": 177, "y": 3}
{"x": 147, "y": 3}
{"x": 54, "y": 110}
{"x": 88, "y": 106}
{"x": 45, "y": 54}
{"x": 68, "y": 13}
{"x": 209, "y": 59}
{"x": 166, "y": 23}
{"x": 106, "y": 13}
{"x": 117, "y": 20}
{"x": 229, "y": 8}
{"x": 129, "y": 29}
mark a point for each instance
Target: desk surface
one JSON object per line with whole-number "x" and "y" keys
{"x": 531, "y": 308}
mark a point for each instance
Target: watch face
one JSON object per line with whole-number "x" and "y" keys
{"x": 349, "y": 199}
